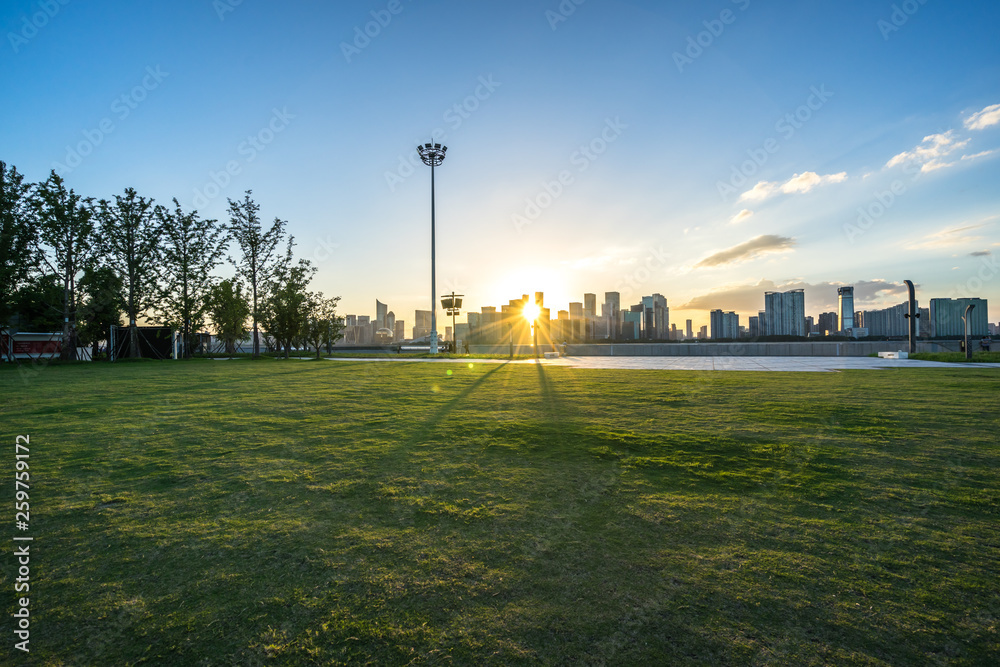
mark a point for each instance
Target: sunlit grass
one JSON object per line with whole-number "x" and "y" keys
{"x": 361, "y": 513}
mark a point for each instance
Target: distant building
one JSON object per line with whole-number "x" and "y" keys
{"x": 724, "y": 325}
{"x": 399, "y": 330}
{"x": 703, "y": 333}
{"x": 381, "y": 310}
{"x": 688, "y": 332}
{"x": 828, "y": 323}
{"x": 390, "y": 322}
{"x": 785, "y": 313}
{"x": 753, "y": 326}
{"x": 611, "y": 313}
{"x": 845, "y": 307}
{"x": 422, "y": 323}
{"x": 811, "y": 325}
{"x": 886, "y": 322}
{"x": 946, "y": 317}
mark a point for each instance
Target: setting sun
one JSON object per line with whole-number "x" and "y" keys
{"x": 531, "y": 311}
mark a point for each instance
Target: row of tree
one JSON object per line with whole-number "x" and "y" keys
{"x": 80, "y": 264}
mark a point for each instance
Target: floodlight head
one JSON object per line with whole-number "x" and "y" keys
{"x": 432, "y": 154}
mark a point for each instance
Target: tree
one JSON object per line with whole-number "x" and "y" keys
{"x": 37, "y": 304}
{"x": 323, "y": 327}
{"x": 66, "y": 228}
{"x": 191, "y": 249}
{"x": 17, "y": 237}
{"x": 229, "y": 310}
{"x": 286, "y": 310}
{"x": 130, "y": 231}
{"x": 258, "y": 254}
{"x": 101, "y": 307}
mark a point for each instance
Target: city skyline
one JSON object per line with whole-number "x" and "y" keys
{"x": 709, "y": 153}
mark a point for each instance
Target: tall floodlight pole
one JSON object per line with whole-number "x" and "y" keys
{"x": 912, "y": 316}
{"x": 433, "y": 155}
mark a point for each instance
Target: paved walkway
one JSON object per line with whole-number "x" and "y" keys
{"x": 794, "y": 364}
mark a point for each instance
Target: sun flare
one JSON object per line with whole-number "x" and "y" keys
{"x": 531, "y": 311}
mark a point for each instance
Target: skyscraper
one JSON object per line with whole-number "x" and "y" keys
{"x": 612, "y": 313}
{"x": 380, "y": 313}
{"x": 828, "y": 323}
{"x": 724, "y": 325}
{"x": 785, "y": 313}
{"x": 845, "y": 307}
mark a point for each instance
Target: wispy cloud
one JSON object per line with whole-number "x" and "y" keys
{"x": 750, "y": 249}
{"x": 930, "y": 152}
{"x": 983, "y": 119}
{"x": 799, "y": 183}
{"x": 981, "y": 253}
{"x": 979, "y": 155}
{"x": 741, "y": 216}
{"x": 950, "y": 236}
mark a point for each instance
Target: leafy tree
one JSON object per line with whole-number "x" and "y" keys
{"x": 192, "y": 248}
{"x": 259, "y": 257}
{"x": 101, "y": 307}
{"x": 66, "y": 230}
{"x": 286, "y": 310}
{"x": 37, "y": 304}
{"x": 229, "y": 310}
{"x": 323, "y": 327}
{"x": 130, "y": 231}
{"x": 17, "y": 237}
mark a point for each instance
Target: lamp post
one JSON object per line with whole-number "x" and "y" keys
{"x": 452, "y": 303}
{"x": 965, "y": 323}
{"x": 433, "y": 155}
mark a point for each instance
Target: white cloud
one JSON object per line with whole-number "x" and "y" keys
{"x": 741, "y": 216}
{"x": 749, "y": 250}
{"x": 983, "y": 119}
{"x": 930, "y": 151}
{"x": 947, "y": 237}
{"x": 799, "y": 183}
{"x": 979, "y": 155}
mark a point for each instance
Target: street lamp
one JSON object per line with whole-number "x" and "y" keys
{"x": 452, "y": 303}
{"x": 965, "y": 323}
{"x": 433, "y": 155}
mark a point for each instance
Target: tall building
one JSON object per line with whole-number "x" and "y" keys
{"x": 724, "y": 325}
{"x": 828, "y": 323}
{"x": 785, "y": 313}
{"x": 845, "y": 307}
{"x": 688, "y": 332}
{"x": 946, "y": 317}
{"x": 611, "y": 312}
{"x": 753, "y": 326}
{"x": 422, "y": 326}
{"x": 390, "y": 322}
{"x": 655, "y": 317}
{"x": 380, "y": 312}
{"x": 399, "y": 331}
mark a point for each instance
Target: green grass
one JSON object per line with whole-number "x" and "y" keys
{"x": 217, "y": 513}
{"x": 978, "y": 356}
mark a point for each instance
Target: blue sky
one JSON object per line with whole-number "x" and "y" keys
{"x": 707, "y": 151}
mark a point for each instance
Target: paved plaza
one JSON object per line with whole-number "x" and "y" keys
{"x": 784, "y": 364}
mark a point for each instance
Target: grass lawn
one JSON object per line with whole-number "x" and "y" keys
{"x": 342, "y": 512}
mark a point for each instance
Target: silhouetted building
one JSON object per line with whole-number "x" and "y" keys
{"x": 828, "y": 323}
{"x": 611, "y": 312}
{"x": 380, "y": 312}
{"x": 946, "y": 317}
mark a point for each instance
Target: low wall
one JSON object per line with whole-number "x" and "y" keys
{"x": 708, "y": 349}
